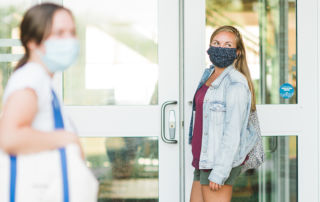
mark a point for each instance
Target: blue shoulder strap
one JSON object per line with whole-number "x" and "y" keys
{"x": 58, "y": 120}
{"x": 13, "y": 174}
{"x": 58, "y": 124}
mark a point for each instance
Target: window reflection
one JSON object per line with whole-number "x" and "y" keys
{"x": 127, "y": 167}
{"x": 268, "y": 28}
{"x": 118, "y": 63}
{"x": 11, "y": 13}
{"x": 277, "y": 179}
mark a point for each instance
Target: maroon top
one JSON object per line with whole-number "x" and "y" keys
{"x": 197, "y": 130}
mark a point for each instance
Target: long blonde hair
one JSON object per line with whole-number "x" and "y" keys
{"x": 241, "y": 62}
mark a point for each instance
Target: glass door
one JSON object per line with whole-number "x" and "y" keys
{"x": 121, "y": 94}
{"x": 275, "y": 34}
{"x": 11, "y": 51}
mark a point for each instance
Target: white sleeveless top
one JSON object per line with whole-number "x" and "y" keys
{"x": 34, "y": 76}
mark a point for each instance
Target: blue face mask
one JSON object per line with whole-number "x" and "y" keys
{"x": 60, "y": 53}
{"x": 222, "y": 57}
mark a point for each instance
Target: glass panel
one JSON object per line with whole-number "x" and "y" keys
{"x": 268, "y": 28}
{"x": 11, "y": 13}
{"x": 277, "y": 179}
{"x": 126, "y": 167}
{"x": 6, "y": 69}
{"x": 118, "y": 62}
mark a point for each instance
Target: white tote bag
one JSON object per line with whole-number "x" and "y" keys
{"x": 50, "y": 176}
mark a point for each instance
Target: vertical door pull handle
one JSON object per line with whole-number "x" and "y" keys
{"x": 172, "y": 123}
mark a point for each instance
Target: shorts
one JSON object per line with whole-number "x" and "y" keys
{"x": 202, "y": 176}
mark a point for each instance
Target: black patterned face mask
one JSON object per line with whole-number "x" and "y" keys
{"x": 222, "y": 57}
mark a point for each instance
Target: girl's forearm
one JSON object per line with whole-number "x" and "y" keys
{"x": 27, "y": 140}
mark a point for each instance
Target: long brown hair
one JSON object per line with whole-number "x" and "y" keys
{"x": 241, "y": 62}
{"x": 36, "y": 26}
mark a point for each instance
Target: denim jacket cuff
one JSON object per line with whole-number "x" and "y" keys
{"x": 216, "y": 179}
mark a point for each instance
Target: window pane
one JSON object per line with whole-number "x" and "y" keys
{"x": 5, "y": 72}
{"x": 277, "y": 179}
{"x": 268, "y": 28}
{"x": 118, "y": 63}
{"x": 11, "y": 13}
{"x": 127, "y": 167}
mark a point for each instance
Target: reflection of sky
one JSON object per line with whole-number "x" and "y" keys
{"x": 112, "y": 65}
{"x": 131, "y": 83}
{"x": 140, "y": 14}
{"x": 112, "y": 60}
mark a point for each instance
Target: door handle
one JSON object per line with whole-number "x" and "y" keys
{"x": 172, "y": 123}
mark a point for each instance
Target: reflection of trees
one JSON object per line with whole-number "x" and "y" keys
{"x": 277, "y": 55}
{"x": 124, "y": 154}
{"x": 10, "y": 19}
{"x": 278, "y": 175}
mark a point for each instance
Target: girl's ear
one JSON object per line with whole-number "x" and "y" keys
{"x": 32, "y": 45}
{"x": 238, "y": 53}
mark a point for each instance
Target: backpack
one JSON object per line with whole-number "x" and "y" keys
{"x": 256, "y": 156}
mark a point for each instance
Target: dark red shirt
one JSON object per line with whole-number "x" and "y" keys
{"x": 197, "y": 129}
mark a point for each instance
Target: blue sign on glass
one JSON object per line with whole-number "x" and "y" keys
{"x": 286, "y": 91}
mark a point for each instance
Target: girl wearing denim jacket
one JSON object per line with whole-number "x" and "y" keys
{"x": 219, "y": 132}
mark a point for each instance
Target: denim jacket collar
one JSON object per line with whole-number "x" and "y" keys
{"x": 214, "y": 84}
{"x": 220, "y": 78}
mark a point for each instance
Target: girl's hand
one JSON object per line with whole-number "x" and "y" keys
{"x": 72, "y": 138}
{"x": 214, "y": 186}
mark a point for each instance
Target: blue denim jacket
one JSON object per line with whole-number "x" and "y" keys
{"x": 226, "y": 136}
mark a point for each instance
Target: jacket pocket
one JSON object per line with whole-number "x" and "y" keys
{"x": 217, "y": 112}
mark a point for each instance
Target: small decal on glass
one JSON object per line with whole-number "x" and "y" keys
{"x": 286, "y": 91}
